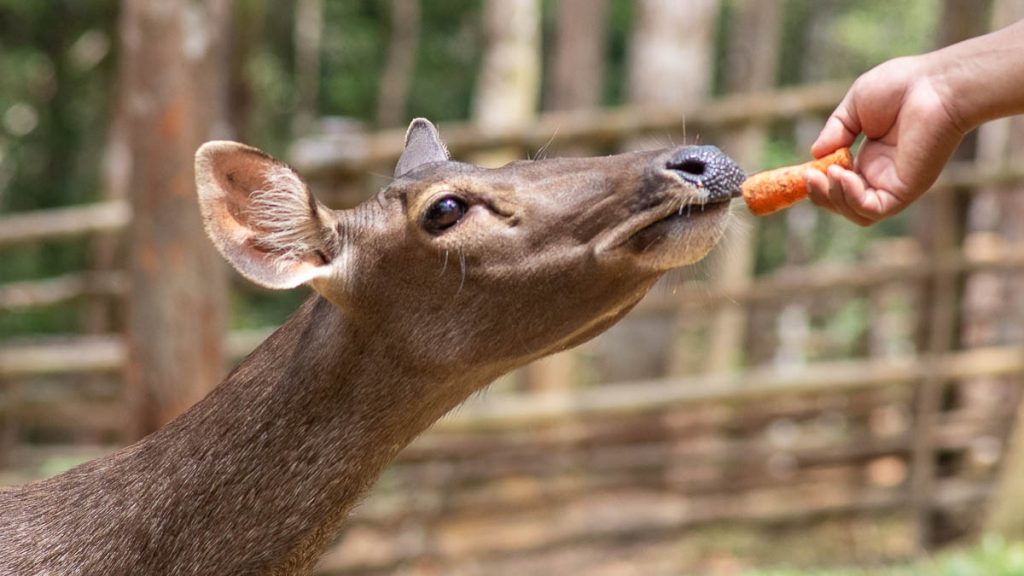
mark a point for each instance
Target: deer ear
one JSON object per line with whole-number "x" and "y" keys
{"x": 422, "y": 145}
{"x": 262, "y": 217}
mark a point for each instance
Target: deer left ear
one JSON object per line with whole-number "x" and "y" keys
{"x": 422, "y": 145}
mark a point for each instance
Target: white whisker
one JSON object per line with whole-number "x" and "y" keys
{"x": 462, "y": 268}
{"x": 544, "y": 148}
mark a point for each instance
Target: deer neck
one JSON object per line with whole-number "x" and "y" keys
{"x": 258, "y": 476}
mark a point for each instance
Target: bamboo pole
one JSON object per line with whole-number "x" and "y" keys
{"x": 52, "y": 291}
{"x": 942, "y": 315}
{"x": 753, "y": 62}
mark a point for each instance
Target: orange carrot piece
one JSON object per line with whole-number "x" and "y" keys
{"x": 773, "y": 190}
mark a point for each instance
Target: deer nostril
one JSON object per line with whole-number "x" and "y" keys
{"x": 706, "y": 167}
{"x": 691, "y": 166}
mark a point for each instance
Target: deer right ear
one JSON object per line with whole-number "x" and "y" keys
{"x": 262, "y": 217}
{"x": 422, "y": 145}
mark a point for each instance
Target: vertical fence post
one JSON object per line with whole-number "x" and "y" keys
{"x": 942, "y": 319}
{"x": 939, "y": 225}
{"x": 753, "y": 61}
{"x": 670, "y": 63}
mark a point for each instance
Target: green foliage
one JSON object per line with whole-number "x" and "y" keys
{"x": 353, "y": 56}
{"x": 871, "y": 31}
{"x": 55, "y": 77}
{"x": 620, "y": 22}
{"x": 447, "y": 61}
{"x": 993, "y": 557}
{"x": 54, "y": 84}
{"x": 268, "y": 126}
{"x": 831, "y": 39}
{"x": 262, "y": 309}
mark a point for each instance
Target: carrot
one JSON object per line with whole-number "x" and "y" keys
{"x": 773, "y": 190}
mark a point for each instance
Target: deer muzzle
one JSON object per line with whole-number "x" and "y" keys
{"x": 709, "y": 170}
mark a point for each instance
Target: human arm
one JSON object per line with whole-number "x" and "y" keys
{"x": 914, "y": 111}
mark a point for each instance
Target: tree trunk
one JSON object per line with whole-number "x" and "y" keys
{"x": 671, "y": 55}
{"x": 507, "y": 94}
{"x": 402, "y": 47}
{"x": 173, "y": 56}
{"x": 309, "y": 25}
{"x": 753, "y": 55}
{"x": 247, "y": 31}
{"x": 509, "y": 83}
{"x": 576, "y": 73}
{"x": 575, "y": 70}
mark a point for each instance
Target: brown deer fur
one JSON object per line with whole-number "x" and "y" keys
{"x": 406, "y": 321}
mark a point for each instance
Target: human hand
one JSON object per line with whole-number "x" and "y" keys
{"x": 905, "y": 111}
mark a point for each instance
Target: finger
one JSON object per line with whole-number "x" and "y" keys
{"x": 841, "y": 129}
{"x": 853, "y": 189}
{"x": 854, "y": 193}
{"x": 872, "y": 203}
{"x": 817, "y": 189}
{"x": 841, "y": 189}
{"x": 862, "y": 199}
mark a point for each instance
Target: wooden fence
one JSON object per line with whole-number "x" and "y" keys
{"x": 573, "y": 478}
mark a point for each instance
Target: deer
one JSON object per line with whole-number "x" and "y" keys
{"x": 451, "y": 276}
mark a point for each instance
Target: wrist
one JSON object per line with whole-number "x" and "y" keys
{"x": 980, "y": 79}
{"x": 948, "y": 77}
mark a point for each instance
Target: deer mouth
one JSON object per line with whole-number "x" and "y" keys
{"x": 673, "y": 220}
{"x": 684, "y": 220}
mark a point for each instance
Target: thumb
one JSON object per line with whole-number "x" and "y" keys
{"x": 841, "y": 129}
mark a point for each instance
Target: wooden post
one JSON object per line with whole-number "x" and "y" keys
{"x": 942, "y": 319}
{"x": 172, "y": 53}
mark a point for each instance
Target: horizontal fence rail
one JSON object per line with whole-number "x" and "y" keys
{"x": 63, "y": 223}
{"x": 92, "y": 354}
{"x": 323, "y": 158}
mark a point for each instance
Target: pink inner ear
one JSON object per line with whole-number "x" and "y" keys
{"x": 260, "y": 215}
{"x": 239, "y": 175}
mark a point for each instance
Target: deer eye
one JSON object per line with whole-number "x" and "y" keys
{"x": 444, "y": 214}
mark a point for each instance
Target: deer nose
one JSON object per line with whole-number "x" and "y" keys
{"x": 708, "y": 168}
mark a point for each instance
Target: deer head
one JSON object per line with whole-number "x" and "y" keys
{"x": 459, "y": 263}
